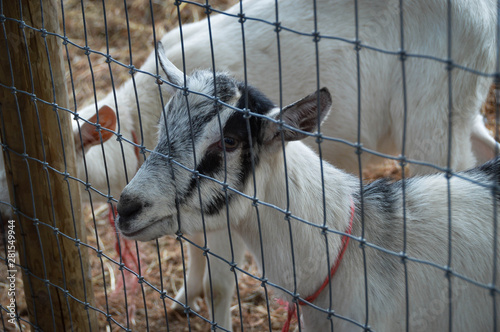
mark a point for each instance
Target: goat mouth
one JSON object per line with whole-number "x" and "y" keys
{"x": 137, "y": 233}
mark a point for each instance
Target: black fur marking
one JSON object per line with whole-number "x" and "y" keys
{"x": 257, "y": 101}
{"x": 381, "y": 201}
{"x": 225, "y": 87}
{"x": 217, "y": 204}
{"x": 382, "y": 193}
{"x": 237, "y": 127}
{"x": 492, "y": 169}
{"x": 210, "y": 164}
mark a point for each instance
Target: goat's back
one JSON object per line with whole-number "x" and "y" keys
{"x": 442, "y": 228}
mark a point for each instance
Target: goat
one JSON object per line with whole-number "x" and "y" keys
{"x": 86, "y": 136}
{"x": 427, "y": 104}
{"x": 108, "y": 169}
{"x": 381, "y": 94}
{"x": 107, "y": 175}
{"x": 289, "y": 206}
{"x": 90, "y": 129}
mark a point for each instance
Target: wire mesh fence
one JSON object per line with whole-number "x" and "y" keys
{"x": 82, "y": 92}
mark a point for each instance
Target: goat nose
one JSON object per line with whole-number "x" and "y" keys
{"x": 128, "y": 207}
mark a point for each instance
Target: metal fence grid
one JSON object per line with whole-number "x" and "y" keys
{"x": 117, "y": 291}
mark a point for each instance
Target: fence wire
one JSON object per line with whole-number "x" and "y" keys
{"x": 135, "y": 284}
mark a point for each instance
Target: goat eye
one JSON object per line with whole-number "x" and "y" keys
{"x": 230, "y": 144}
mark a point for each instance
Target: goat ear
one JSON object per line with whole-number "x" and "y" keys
{"x": 89, "y": 133}
{"x": 303, "y": 115}
{"x": 174, "y": 75}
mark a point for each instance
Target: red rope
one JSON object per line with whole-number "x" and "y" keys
{"x": 136, "y": 148}
{"x": 124, "y": 250}
{"x": 291, "y": 309}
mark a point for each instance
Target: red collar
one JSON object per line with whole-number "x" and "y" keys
{"x": 137, "y": 150}
{"x": 345, "y": 240}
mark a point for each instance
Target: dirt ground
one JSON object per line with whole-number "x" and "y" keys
{"x": 150, "y": 308}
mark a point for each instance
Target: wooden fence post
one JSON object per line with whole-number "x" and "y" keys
{"x": 39, "y": 158}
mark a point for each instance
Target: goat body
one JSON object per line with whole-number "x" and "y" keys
{"x": 380, "y": 78}
{"x": 291, "y": 209}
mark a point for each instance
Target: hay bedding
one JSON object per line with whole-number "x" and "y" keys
{"x": 150, "y": 313}
{"x": 87, "y": 71}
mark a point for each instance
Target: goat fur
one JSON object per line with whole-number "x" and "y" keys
{"x": 291, "y": 182}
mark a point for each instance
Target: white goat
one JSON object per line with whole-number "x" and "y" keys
{"x": 381, "y": 89}
{"x": 382, "y": 106}
{"x": 86, "y": 136}
{"x": 173, "y": 190}
{"x": 109, "y": 166}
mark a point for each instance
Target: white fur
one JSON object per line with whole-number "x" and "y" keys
{"x": 108, "y": 166}
{"x": 381, "y": 81}
{"x": 381, "y": 91}
{"x": 482, "y": 142}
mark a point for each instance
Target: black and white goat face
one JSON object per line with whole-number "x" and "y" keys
{"x": 205, "y": 153}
